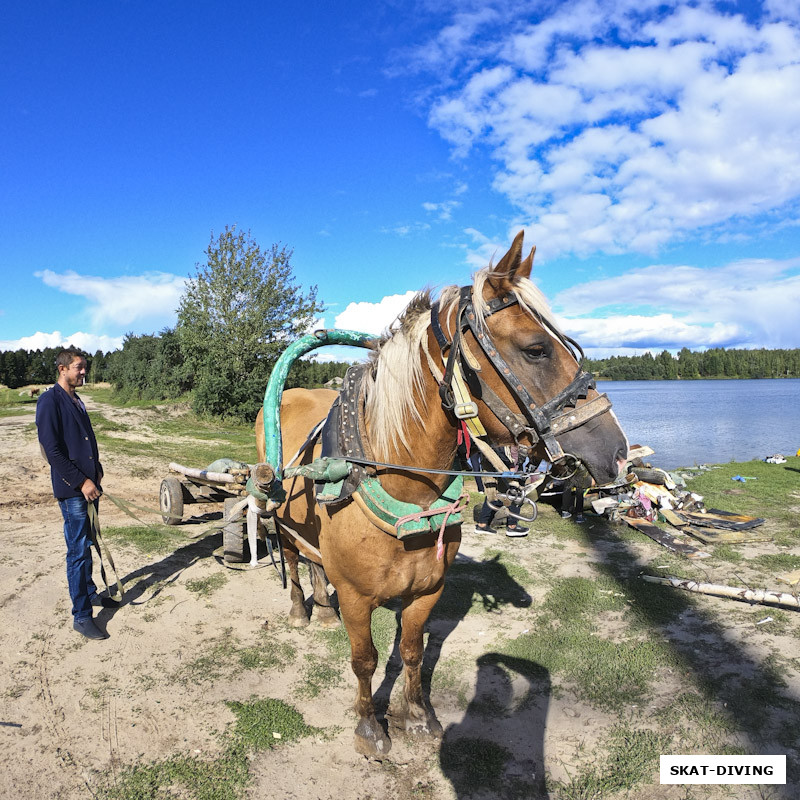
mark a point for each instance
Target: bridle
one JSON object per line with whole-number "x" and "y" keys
{"x": 542, "y": 423}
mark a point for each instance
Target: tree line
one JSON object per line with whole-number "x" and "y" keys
{"x": 691, "y": 365}
{"x": 243, "y": 307}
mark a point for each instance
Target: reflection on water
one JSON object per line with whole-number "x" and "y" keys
{"x": 696, "y": 422}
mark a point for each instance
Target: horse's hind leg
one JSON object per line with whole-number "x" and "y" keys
{"x": 419, "y": 716}
{"x": 298, "y": 618}
{"x": 370, "y": 739}
{"x": 324, "y": 612}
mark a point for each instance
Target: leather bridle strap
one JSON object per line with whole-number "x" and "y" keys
{"x": 540, "y": 422}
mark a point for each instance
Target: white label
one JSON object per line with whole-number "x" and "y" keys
{"x": 723, "y": 769}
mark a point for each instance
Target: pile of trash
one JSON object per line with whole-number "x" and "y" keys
{"x": 649, "y": 495}
{"x": 645, "y": 491}
{"x": 777, "y": 458}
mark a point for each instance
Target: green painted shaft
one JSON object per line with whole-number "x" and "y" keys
{"x": 277, "y": 380}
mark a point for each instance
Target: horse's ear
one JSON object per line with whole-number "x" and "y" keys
{"x": 511, "y": 266}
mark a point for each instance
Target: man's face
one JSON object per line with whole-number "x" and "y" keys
{"x": 75, "y": 373}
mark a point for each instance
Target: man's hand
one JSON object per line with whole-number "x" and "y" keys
{"x": 90, "y": 490}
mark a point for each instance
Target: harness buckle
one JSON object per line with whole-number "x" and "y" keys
{"x": 467, "y": 410}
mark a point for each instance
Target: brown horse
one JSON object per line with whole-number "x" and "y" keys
{"x": 406, "y": 424}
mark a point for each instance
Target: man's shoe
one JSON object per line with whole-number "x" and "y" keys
{"x": 485, "y": 529}
{"x": 516, "y": 530}
{"x": 89, "y": 629}
{"x": 565, "y": 515}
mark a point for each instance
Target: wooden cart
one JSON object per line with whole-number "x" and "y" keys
{"x": 188, "y": 485}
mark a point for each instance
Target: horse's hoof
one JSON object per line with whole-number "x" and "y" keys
{"x": 328, "y": 620}
{"x": 370, "y": 740}
{"x": 429, "y": 726}
{"x": 300, "y": 621}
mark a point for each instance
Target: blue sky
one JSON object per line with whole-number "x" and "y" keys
{"x": 649, "y": 150}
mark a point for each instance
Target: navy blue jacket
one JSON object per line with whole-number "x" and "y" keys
{"x": 67, "y": 439}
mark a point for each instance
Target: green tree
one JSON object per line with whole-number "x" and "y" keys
{"x": 236, "y": 316}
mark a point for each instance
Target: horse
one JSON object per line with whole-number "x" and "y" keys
{"x": 521, "y": 385}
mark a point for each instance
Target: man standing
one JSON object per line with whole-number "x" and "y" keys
{"x": 68, "y": 442}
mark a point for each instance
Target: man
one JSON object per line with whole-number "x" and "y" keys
{"x": 68, "y": 442}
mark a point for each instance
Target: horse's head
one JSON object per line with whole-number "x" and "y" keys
{"x": 524, "y": 374}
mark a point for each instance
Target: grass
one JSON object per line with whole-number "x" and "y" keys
{"x": 148, "y": 539}
{"x": 223, "y": 656}
{"x": 630, "y": 757}
{"x": 12, "y": 405}
{"x": 260, "y": 725}
{"x": 764, "y": 497}
{"x": 205, "y": 587}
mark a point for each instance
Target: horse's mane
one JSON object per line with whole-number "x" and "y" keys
{"x": 394, "y": 381}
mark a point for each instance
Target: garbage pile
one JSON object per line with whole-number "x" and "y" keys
{"x": 649, "y": 495}
{"x": 646, "y": 491}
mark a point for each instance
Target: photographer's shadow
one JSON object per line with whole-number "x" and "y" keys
{"x": 498, "y": 746}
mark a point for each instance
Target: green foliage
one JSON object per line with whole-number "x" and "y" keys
{"x": 148, "y": 368}
{"x": 237, "y": 315}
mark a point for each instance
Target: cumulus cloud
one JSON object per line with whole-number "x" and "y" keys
{"x": 373, "y": 317}
{"x": 88, "y": 342}
{"x": 749, "y": 303}
{"x": 122, "y": 300}
{"x": 622, "y": 127}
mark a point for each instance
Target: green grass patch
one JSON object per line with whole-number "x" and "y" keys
{"x": 317, "y": 675}
{"x": 564, "y": 640}
{"x": 12, "y": 404}
{"x": 631, "y": 756}
{"x": 485, "y": 586}
{"x": 260, "y": 725}
{"x": 224, "y": 656}
{"x": 764, "y": 497}
{"x": 148, "y": 539}
{"x": 205, "y": 587}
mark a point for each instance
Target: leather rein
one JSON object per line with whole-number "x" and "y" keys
{"x": 540, "y": 422}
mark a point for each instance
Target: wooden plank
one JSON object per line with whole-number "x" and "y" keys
{"x": 716, "y": 536}
{"x": 665, "y": 539}
{"x": 727, "y": 520}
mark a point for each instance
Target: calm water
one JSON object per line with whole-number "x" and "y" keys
{"x": 696, "y": 422}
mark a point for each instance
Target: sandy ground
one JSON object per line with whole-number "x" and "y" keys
{"x": 74, "y": 713}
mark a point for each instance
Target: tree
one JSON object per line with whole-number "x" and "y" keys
{"x": 236, "y": 316}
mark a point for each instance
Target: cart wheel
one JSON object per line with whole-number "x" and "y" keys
{"x": 170, "y": 499}
{"x": 233, "y": 534}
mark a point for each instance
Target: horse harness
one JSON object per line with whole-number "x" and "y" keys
{"x": 344, "y": 439}
{"x": 542, "y": 423}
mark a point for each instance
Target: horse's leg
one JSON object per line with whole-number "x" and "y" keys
{"x": 298, "y": 618}
{"x": 356, "y": 610}
{"x": 324, "y": 612}
{"x": 419, "y": 716}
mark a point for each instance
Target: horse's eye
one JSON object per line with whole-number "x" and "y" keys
{"x": 535, "y": 352}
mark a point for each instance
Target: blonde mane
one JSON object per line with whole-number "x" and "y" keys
{"x": 393, "y": 385}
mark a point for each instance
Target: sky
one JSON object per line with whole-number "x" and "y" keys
{"x": 650, "y": 151}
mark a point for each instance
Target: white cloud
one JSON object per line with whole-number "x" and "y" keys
{"x": 373, "y": 317}
{"x": 444, "y": 210}
{"x": 122, "y": 300}
{"x": 750, "y": 303}
{"x": 616, "y": 129}
{"x": 88, "y": 342}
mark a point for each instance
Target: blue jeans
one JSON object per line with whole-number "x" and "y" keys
{"x": 82, "y": 589}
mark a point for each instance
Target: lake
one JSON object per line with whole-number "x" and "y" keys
{"x": 706, "y": 422}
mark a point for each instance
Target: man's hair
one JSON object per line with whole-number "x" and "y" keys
{"x": 67, "y": 356}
